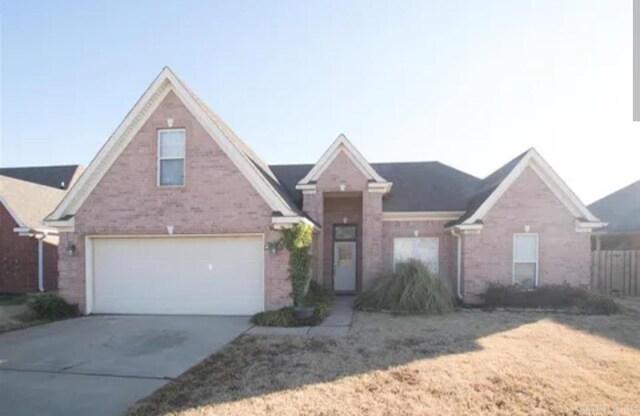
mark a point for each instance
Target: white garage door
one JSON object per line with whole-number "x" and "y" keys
{"x": 178, "y": 275}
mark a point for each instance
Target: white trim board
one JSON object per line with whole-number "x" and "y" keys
{"x": 421, "y": 215}
{"x": 340, "y": 144}
{"x": 286, "y": 222}
{"x": 164, "y": 83}
{"x": 533, "y": 159}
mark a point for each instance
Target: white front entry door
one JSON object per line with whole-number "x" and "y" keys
{"x": 344, "y": 266}
{"x": 178, "y": 275}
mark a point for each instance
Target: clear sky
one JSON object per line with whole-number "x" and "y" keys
{"x": 469, "y": 83}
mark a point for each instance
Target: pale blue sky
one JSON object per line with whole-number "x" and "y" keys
{"x": 469, "y": 83}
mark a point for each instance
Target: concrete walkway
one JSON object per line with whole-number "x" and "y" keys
{"x": 338, "y": 323}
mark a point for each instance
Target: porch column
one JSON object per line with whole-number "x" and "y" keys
{"x": 372, "y": 260}
{"x": 312, "y": 204}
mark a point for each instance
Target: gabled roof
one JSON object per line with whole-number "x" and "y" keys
{"x": 256, "y": 171}
{"x": 28, "y": 202}
{"x": 341, "y": 144}
{"x": 58, "y": 177}
{"x": 620, "y": 210}
{"x": 417, "y": 186}
{"x": 491, "y": 188}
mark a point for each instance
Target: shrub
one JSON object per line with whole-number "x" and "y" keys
{"x": 413, "y": 288}
{"x": 279, "y": 317}
{"x": 320, "y": 299}
{"x": 550, "y": 296}
{"x": 317, "y": 297}
{"x": 52, "y": 307}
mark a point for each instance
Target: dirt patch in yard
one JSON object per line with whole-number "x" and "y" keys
{"x": 462, "y": 363}
{"x": 15, "y": 316}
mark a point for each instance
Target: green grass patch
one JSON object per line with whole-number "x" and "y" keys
{"x": 562, "y": 297}
{"x": 11, "y": 299}
{"x": 413, "y": 289}
{"x": 317, "y": 297}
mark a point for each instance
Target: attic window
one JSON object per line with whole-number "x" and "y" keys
{"x": 171, "y": 154}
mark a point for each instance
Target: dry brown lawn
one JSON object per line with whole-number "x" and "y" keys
{"x": 471, "y": 363}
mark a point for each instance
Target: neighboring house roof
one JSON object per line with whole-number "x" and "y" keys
{"x": 59, "y": 177}
{"x": 620, "y": 210}
{"x": 28, "y": 202}
{"x": 417, "y": 186}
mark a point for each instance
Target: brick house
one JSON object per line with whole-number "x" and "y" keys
{"x": 621, "y": 211}
{"x": 28, "y": 248}
{"x": 176, "y": 215}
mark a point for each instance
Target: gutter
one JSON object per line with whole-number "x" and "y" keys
{"x": 39, "y": 235}
{"x": 459, "y": 263}
{"x": 40, "y": 263}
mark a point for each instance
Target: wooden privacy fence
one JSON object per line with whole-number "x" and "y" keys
{"x": 616, "y": 271}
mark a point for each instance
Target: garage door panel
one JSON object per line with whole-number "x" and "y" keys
{"x": 179, "y": 275}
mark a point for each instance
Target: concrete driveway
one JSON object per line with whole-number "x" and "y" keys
{"x": 100, "y": 365}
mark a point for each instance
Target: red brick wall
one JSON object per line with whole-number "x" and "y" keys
{"x": 343, "y": 171}
{"x": 216, "y": 199}
{"x": 446, "y": 244}
{"x": 564, "y": 254}
{"x": 19, "y": 259}
{"x": 372, "y": 255}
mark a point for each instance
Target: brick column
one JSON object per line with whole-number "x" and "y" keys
{"x": 371, "y": 237}
{"x": 312, "y": 204}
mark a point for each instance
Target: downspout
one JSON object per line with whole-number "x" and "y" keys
{"x": 459, "y": 263}
{"x": 40, "y": 264}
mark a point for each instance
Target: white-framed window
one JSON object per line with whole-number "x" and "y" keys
{"x": 171, "y": 156}
{"x": 424, "y": 249}
{"x": 525, "y": 260}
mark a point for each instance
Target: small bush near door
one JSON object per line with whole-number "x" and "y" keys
{"x": 413, "y": 288}
{"x": 552, "y": 297}
{"x": 52, "y": 308}
{"x": 317, "y": 297}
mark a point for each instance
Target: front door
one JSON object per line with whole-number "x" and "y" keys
{"x": 344, "y": 258}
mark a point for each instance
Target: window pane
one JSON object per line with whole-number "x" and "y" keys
{"x": 345, "y": 255}
{"x": 423, "y": 249}
{"x": 525, "y": 275}
{"x": 343, "y": 232}
{"x": 172, "y": 172}
{"x": 525, "y": 248}
{"x": 172, "y": 144}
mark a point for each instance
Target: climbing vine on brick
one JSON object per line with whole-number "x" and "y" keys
{"x": 297, "y": 241}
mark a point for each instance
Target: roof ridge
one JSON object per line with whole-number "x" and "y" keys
{"x": 39, "y": 166}
{"x": 228, "y": 131}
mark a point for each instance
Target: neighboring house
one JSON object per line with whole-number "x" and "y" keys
{"x": 28, "y": 249}
{"x": 176, "y": 215}
{"x": 621, "y": 212}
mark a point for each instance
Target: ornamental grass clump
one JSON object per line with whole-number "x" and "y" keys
{"x": 412, "y": 288}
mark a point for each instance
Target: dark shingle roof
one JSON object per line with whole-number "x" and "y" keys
{"x": 52, "y": 176}
{"x": 485, "y": 188}
{"x": 417, "y": 186}
{"x": 620, "y": 210}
